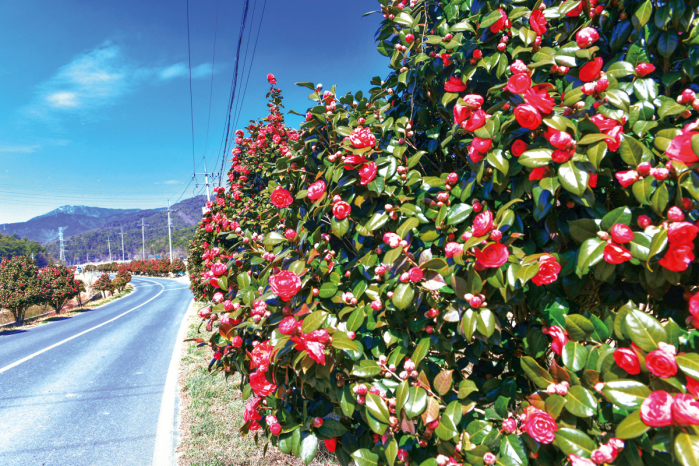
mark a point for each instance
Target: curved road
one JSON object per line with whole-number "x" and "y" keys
{"x": 94, "y": 399}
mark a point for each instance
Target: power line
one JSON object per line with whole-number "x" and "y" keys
{"x": 211, "y": 89}
{"x": 191, "y": 99}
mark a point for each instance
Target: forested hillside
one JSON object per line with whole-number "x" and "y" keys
{"x": 13, "y": 245}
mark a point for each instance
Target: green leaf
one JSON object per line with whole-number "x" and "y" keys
{"x": 667, "y": 43}
{"x": 583, "y": 229}
{"x": 573, "y": 179}
{"x": 327, "y": 290}
{"x": 497, "y": 160}
{"x": 406, "y": 226}
{"x": 573, "y": 441}
{"x": 642, "y": 15}
{"x": 687, "y": 449}
{"x": 421, "y": 350}
{"x": 537, "y": 374}
{"x": 416, "y": 402}
{"x": 590, "y": 253}
{"x": 332, "y": 428}
{"x": 377, "y": 407}
{"x": 659, "y": 199}
{"x": 313, "y": 321}
{"x": 535, "y": 158}
{"x": 580, "y": 402}
{"x": 486, "y": 322}
{"x": 670, "y": 108}
{"x": 478, "y": 431}
{"x": 644, "y": 330}
{"x": 309, "y": 447}
{"x": 366, "y": 368}
{"x": 620, "y": 215}
{"x": 632, "y": 152}
{"x": 356, "y": 319}
{"x": 391, "y": 451}
{"x": 466, "y": 387}
{"x": 339, "y": 227}
{"x": 689, "y": 363}
{"x": 512, "y": 446}
{"x": 626, "y": 394}
{"x": 575, "y": 356}
{"x": 377, "y": 221}
{"x": 403, "y": 296}
{"x": 631, "y": 427}
{"x": 365, "y": 457}
{"x": 578, "y": 327}
{"x": 442, "y": 382}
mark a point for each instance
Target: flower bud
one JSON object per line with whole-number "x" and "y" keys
{"x": 675, "y": 214}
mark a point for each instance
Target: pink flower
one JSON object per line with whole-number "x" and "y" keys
{"x": 285, "y": 284}
{"x": 549, "y": 268}
{"x": 576, "y": 460}
{"x": 626, "y": 178}
{"x": 451, "y": 249}
{"x": 621, "y": 233}
{"x": 643, "y": 69}
{"x": 586, "y": 37}
{"x": 281, "y": 198}
{"x": 454, "y": 85}
{"x": 415, "y": 274}
{"x": 540, "y": 425}
{"x": 685, "y": 410}
{"x": 616, "y": 254}
{"x": 316, "y": 190}
{"x": 341, "y": 210}
{"x": 661, "y": 362}
{"x": 367, "y": 173}
{"x": 627, "y": 359}
{"x": 560, "y": 338}
{"x": 362, "y": 137}
{"x": 656, "y": 410}
{"x": 678, "y": 257}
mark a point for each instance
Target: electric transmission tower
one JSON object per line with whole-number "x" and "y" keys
{"x": 62, "y": 257}
{"x": 109, "y": 245}
{"x": 143, "y": 235}
{"x": 122, "y": 243}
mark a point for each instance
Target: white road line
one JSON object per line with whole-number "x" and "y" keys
{"x": 163, "y": 454}
{"x": 31, "y": 356}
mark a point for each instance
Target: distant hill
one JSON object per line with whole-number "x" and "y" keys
{"x": 88, "y": 234}
{"x": 11, "y": 246}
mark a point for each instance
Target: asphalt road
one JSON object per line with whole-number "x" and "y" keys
{"x": 93, "y": 400}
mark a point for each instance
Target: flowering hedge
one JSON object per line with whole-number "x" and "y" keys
{"x": 152, "y": 267}
{"x": 487, "y": 258}
{"x": 58, "y": 286}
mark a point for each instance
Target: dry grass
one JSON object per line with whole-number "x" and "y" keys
{"x": 211, "y": 412}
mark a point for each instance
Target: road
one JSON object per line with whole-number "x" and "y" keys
{"x": 96, "y": 398}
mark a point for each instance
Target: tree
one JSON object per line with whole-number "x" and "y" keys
{"x": 81, "y": 289}
{"x": 20, "y": 286}
{"x": 123, "y": 278}
{"x": 58, "y": 285}
{"x": 104, "y": 284}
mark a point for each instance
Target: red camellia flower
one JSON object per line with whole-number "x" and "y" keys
{"x": 445, "y": 59}
{"x": 621, "y": 233}
{"x": 362, "y": 137}
{"x": 586, "y": 37}
{"x": 656, "y": 410}
{"x": 474, "y": 101}
{"x": 527, "y": 116}
{"x": 539, "y": 173}
{"x": 590, "y": 71}
{"x": 549, "y": 269}
{"x": 519, "y": 147}
{"x": 367, "y": 173}
{"x": 575, "y": 12}
{"x": 341, "y": 210}
{"x": 281, "y": 197}
{"x": 685, "y": 410}
{"x": 576, "y": 460}
{"x": 316, "y": 190}
{"x": 331, "y": 444}
{"x": 285, "y": 284}
{"x": 680, "y": 148}
{"x": 351, "y": 161}
{"x": 455, "y": 85}
{"x": 538, "y": 23}
{"x": 482, "y": 224}
{"x": 561, "y": 156}
{"x": 611, "y": 128}
{"x": 627, "y": 178}
{"x": 559, "y": 139}
{"x": 560, "y": 338}
{"x": 539, "y": 424}
{"x": 272, "y": 80}
{"x": 540, "y": 99}
{"x": 643, "y": 69}
{"x": 681, "y": 232}
{"x": 461, "y": 113}
{"x": 453, "y": 248}
{"x": 616, "y": 254}
{"x": 661, "y": 363}
{"x": 678, "y": 257}
{"x": 415, "y": 274}
{"x": 482, "y": 145}
{"x": 500, "y": 24}
{"x": 260, "y": 385}
{"x": 288, "y": 325}
{"x": 518, "y": 83}
{"x": 627, "y": 359}
{"x": 477, "y": 120}
{"x": 518, "y": 67}
{"x": 492, "y": 256}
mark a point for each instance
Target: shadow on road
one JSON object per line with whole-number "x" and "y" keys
{"x": 10, "y": 332}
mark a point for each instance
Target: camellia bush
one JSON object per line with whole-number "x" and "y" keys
{"x": 486, "y": 258}
{"x": 58, "y": 286}
{"x": 178, "y": 266}
{"x": 20, "y": 286}
{"x": 104, "y": 284}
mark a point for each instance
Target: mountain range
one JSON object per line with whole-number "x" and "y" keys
{"x": 89, "y": 232}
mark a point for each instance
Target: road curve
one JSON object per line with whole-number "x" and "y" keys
{"x": 94, "y": 399}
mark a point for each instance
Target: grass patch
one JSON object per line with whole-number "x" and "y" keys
{"x": 211, "y": 413}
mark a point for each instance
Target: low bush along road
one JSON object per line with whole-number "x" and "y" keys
{"x": 94, "y": 396}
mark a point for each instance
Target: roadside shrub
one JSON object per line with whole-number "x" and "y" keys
{"x": 58, "y": 286}
{"x": 177, "y": 267}
{"x": 488, "y": 258}
{"x": 20, "y": 286}
{"x": 103, "y": 284}
{"x": 123, "y": 278}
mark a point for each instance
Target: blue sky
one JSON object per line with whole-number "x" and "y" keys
{"x": 95, "y": 104}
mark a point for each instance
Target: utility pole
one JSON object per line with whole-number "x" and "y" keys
{"x": 206, "y": 179}
{"x": 122, "y": 244}
{"x": 109, "y": 245}
{"x": 169, "y": 230}
{"x": 143, "y": 234}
